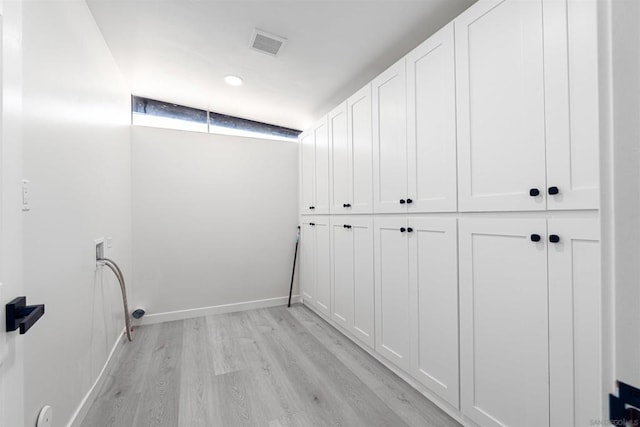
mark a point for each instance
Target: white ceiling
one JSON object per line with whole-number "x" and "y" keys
{"x": 180, "y": 50}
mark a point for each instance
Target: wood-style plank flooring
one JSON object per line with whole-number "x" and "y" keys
{"x": 271, "y": 367}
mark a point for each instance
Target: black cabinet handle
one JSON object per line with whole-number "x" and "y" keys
{"x": 346, "y": 205}
{"x": 346, "y": 226}
{"x": 312, "y": 224}
{"x": 21, "y": 316}
{"x": 535, "y": 237}
{"x": 554, "y": 190}
{"x": 312, "y": 207}
{"x": 410, "y": 230}
{"x": 402, "y": 201}
{"x": 409, "y": 201}
{"x": 534, "y": 192}
{"x": 402, "y": 229}
{"x": 554, "y": 238}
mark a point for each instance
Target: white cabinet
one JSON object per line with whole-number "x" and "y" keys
{"x": 527, "y": 105}
{"x": 417, "y": 299}
{"x": 351, "y": 154}
{"x": 390, "y": 139}
{"x": 431, "y": 125}
{"x": 571, "y": 80}
{"x": 414, "y": 130}
{"x": 307, "y": 172}
{"x": 500, "y": 88}
{"x": 530, "y": 318}
{"x": 393, "y": 297}
{"x": 314, "y": 165}
{"x": 504, "y": 340}
{"x": 433, "y": 281}
{"x": 315, "y": 263}
{"x": 575, "y": 317}
{"x": 353, "y": 285}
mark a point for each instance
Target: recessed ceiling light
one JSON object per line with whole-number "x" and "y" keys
{"x": 233, "y": 80}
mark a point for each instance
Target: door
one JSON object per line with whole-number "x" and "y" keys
{"x": 323, "y": 265}
{"x": 393, "y": 297}
{"x": 575, "y": 318}
{"x": 433, "y": 277}
{"x": 307, "y": 173}
{"x": 500, "y": 103}
{"x": 571, "y": 97}
{"x": 322, "y": 196}
{"x": 431, "y": 125}
{"x": 307, "y": 260}
{"x": 390, "y": 140}
{"x": 341, "y": 178}
{"x": 361, "y": 150}
{"x": 504, "y": 339}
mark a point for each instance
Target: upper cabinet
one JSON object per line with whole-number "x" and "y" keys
{"x": 431, "y": 125}
{"x": 314, "y": 173}
{"x": 415, "y": 130}
{"x": 390, "y": 140}
{"x": 351, "y": 154}
{"x": 527, "y": 105}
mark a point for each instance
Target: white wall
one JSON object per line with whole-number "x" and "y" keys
{"x": 11, "y": 345}
{"x": 214, "y": 218}
{"x": 77, "y": 156}
{"x": 624, "y": 214}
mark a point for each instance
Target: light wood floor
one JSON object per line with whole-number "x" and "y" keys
{"x": 270, "y": 367}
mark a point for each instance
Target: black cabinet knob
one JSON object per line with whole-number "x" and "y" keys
{"x": 534, "y": 192}
{"x": 554, "y": 190}
{"x": 346, "y": 205}
{"x": 402, "y": 201}
{"x": 402, "y": 229}
{"x": 409, "y": 201}
{"x": 535, "y": 237}
{"x": 346, "y": 226}
{"x": 410, "y": 229}
{"x": 554, "y": 238}
{"x": 312, "y": 207}
{"x": 312, "y": 224}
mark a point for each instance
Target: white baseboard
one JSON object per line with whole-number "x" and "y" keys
{"x": 151, "y": 319}
{"x": 91, "y": 395}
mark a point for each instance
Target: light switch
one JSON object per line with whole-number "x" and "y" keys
{"x": 25, "y": 195}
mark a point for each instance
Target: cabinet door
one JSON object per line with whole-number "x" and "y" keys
{"x": 504, "y": 339}
{"x": 353, "y": 285}
{"x": 390, "y": 139}
{"x": 363, "y": 283}
{"x": 307, "y": 172}
{"x": 433, "y": 275}
{"x": 571, "y": 80}
{"x": 361, "y": 149}
{"x": 323, "y": 265}
{"x": 500, "y": 102}
{"x": 322, "y": 196}
{"x": 393, "y": 298}
{"x": 342, "y": 272}
{"x": 431, "y": 125}
{"x": 341, "y": 182}
{"x": 307, "y": 260}
{"x": 575, "y": 318}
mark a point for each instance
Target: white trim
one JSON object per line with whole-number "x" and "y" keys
{"x": 151, "y": 319}
{"x": 92, "y": 394}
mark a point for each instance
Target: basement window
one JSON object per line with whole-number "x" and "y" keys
{"x": 150, "y": 112}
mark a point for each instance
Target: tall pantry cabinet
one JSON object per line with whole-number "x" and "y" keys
{"x": 473, "y": 266}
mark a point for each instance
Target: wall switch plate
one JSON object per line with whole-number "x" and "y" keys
{"x": 109, "y": 242}
{"x": 99, "y": 249}
{"x": 25, "y": 196}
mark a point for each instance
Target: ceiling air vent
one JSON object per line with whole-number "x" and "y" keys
{"x": 267, "y": 43}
